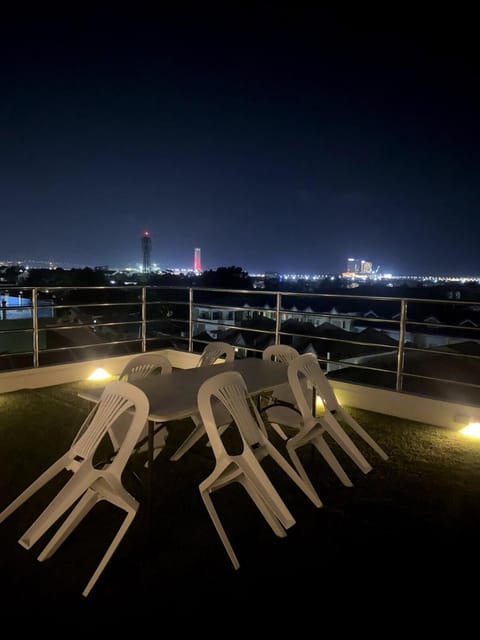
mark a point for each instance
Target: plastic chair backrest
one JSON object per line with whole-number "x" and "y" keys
{"x": 118, "y": 398}
{"x": 230, "y": 389}
{"x": 304, "y": 376}
{"x": 280, "y": 353}
{"x": 144, "y": 365}
{"x": 215, "y": 350}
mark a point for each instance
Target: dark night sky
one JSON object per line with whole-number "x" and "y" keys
{"x": 274, "y": 136}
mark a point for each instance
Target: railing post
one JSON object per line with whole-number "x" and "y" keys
{"x": 36, "y": 357}
{"x": 277, "y": 317}
{"x": 190, "y": 319}
{"x": 401, "y": 350}
{"x": 144, "y": 319}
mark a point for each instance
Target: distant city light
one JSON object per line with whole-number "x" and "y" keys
{"x": 358, "y": 270}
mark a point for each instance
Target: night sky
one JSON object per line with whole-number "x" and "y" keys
{"x": 274, "y": 136}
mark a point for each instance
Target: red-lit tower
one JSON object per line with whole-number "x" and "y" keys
{"x": 197, "y": 262}
{"x": 146, "y": 250}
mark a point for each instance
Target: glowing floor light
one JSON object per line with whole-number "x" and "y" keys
{"x": 472, "y": 430}
{"x": 99, "y": 374}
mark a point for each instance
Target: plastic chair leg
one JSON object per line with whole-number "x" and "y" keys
{"x": 62, "y": 502}
{"x": 219, "y": 527}
{"x": 45, "y": 477}
{"x": 110, "y": 551}
{"x": 85, "y": 504}
{"x": 363, "y": 434}
{"x": 334, "y": 428}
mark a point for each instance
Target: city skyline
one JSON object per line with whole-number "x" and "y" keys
{"x": 284, "y": 138}
{"x": 139, "y": 266}
{"x": 349, "y": 267}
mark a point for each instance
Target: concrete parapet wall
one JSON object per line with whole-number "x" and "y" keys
{"x": 401, "y": 405}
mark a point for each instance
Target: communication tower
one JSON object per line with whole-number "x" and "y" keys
{"x": 146, "y": 250}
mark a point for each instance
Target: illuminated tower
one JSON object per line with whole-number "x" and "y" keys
{"x": 146, "y": 250}
{"x": 197, "y": 262}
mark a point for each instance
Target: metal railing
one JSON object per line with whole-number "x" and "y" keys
{"x": 419, "y": 345}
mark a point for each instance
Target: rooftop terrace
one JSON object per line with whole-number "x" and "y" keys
{"x": 413, "y": 520}
{"x": 411, "y": 523}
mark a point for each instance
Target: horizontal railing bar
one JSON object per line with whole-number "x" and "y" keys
{"x": 439, "y": 352}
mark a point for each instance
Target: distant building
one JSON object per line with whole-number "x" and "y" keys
{"x": 358, "y": 268}
{"x": 353, "y": 265}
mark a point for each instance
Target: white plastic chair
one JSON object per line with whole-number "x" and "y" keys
{"x": 306, "y": 378}
{"x": 230, "y": 390}
{"x": 89, "y": 485}
{"x": 211, "y": 353}
{"x": 282, "y": 394}
{"x": 141, "y": 366}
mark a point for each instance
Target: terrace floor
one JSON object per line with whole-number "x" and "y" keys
{"x": 409, "y": 526}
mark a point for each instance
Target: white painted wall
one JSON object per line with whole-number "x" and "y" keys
{"x": 71, "y": 372}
